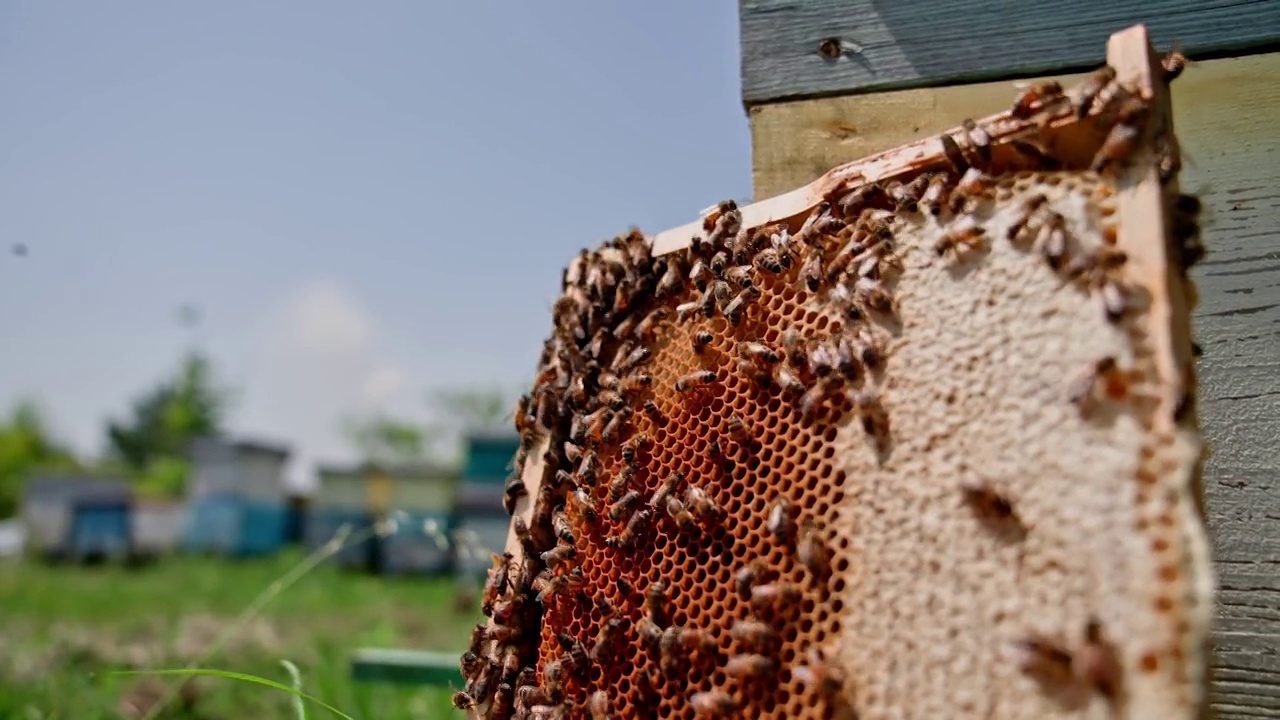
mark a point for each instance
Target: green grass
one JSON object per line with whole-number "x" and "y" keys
{"x": 64, "y": 629}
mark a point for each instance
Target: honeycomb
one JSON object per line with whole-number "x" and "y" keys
{"x": 871, "y": 461}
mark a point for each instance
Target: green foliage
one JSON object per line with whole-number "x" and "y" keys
{"x": 246, "y": 678}
{"x": 26, "y": 444}
{"x": 152, "y": 442}
{"x": 474, "y": 408}
{"x": 385, "y": 440}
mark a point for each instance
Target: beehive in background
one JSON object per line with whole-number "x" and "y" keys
{"x": 76, "y": 515}
{"x": 341, "y": 500}
{"x": 236, "y": 497}
{"x": 421, "y": 498}
{"x": 916, "y": 440}
{"x": 479, "y": 526}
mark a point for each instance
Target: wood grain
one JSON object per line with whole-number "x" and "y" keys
{"x": 1225, "y": 114}
{"x": 930, "y": 43}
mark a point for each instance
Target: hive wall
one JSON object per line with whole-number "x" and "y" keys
{"x": 959, "y": 511}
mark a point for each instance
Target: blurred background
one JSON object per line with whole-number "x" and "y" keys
{"x": 272, "y": 278}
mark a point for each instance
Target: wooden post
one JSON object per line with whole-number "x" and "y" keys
{"x": 893, "y": 73}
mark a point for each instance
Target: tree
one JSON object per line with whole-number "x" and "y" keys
{"x": 381, "y": 439}
{"x": 153, "y": 441}
{"x": 474, "y": 408}
{"x": 26, "y": 444}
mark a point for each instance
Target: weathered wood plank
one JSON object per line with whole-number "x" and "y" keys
{"x": 1225, "y": 114}
{"x": 940, "y": 42}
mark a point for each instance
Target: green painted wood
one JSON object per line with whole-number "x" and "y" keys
{"x": 409, "y": 667}
{"x": 927, "y": 43}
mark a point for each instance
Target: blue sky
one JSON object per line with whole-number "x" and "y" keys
{"x": 367, "y": 200}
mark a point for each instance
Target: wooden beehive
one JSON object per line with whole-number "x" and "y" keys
{"x": 915, "y": 440}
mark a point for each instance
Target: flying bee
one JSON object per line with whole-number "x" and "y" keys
{"x": 618, "y": 487}
{"x": 648, "y": 327}
{"x": 695, "y": 379}
{"x": 937, "y": 194}
{"x": 700, "y": 275}
{"x": 1091, "y": 87}
{"x": 951, "y": 149}
{"x": 1030, "y": 208}
{"x": 619, "y": 508}
{"x": 608, "y": 631}
{"x": 701, "y": 339}
{"x": 1039, "y": 96}
{"x": 758, "y": 352}
{"x": 815, "y": 398}
{"x": 667, "y": 487}
{"x": 775, "y": 596}
{"x": 787, "y": 380}
{"x": 740, "y": 275}
{"x": 780, "y": 523}
{"x": 672, "y": 280}
{"x": 733, "y": 311}
{"x": 701, "y": 503}
{"x": 748, "y": 576}
{"x": 979, "y": 139}
{"x": 680, "y": 514}
{"x": 597, "y": 706}
{"x": 811, "y": 270}
{"x": 968, "y": 237}
{"x": 812, "y": 550}
{"x": 1097, "y": 662}
{"x": 713, "y": 704}
{"x": 753, "y": 633}
{"x": 684, "y": 311}
{"x": 1124, "y": 137}
{"x": 585, "y": 506}
{"x": 560, "y": 554}
{"x": 749, "y": 666}
{"x": 628, "y": 534}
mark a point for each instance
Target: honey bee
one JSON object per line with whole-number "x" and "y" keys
{"x": 665, "y": 489}
{"x": 700, "y": 275}
{"x": 496, "y": 581}
{"x": 585, "y": 506}
{"x": 812, "y": 550}
{"x": 758, "y": 352}
{"x": 937, "y": 194}
{"x": 668, "y": 645}
{"x": 672, "y": 280}
{"x": 829, "y": 680}
{"x": 635, "y": 384}
{"x": 560, "y": 526}
{"x": 1098, "y": 662}
{"x": 822, "y": 361}
{"x": 1039, "y": 96}
{"x": 695, "y": 379}
{"x": 968, "y": 237}
{"x": 780, "y": 523}
{"x": 874, "y": 296}
{"x": 787, "y": 380}
{"x": 614, "y": 427}
{"x": 619, "y": 508}
{"x": 529, "y": 695}
{"x": 707, "y": 304}
{"x": 811, "y": 270}
{"x": 524, "y": 535}
{"x": 974, "y": 185}
{"x": 648, "y": 327}
{"x": 628, "y": 534}
{"x": 1052, "y": 240}
{"x": 655, "y": 414}
{"x": 794, "y": 348}
{"x": 1030, "y": 208}
{"x": 598, "y": 706}
{"x": 713, "y": 703}
{"x": 632, "y": 446}
{"x": 875, "y": 421}
{"x": 470, "y": 663}
{"x": 951, "y": 149}
{"x": 868, "y": 351}
{"x": 636, "y": 358}
{"x": 607, "y": 632}
{"x": 1045, "y": 660}
{"x": 989, "y": 504}
{"x": 655, "y": 601}
{"x": 771, "y": 261}
{"x": 578, "y": 655}
{"x": 748, "y": 576}
{"x": 712, "y": 215}
{"x": 559, "y": 554}
{"x": 978, "y": 137}
{"x": 1091, "y": 87}
{"x": 559, "y": 584}
{"x": 749, "y": 666}
{"x": 740, "y": 275}
{"x": 1037, "y": 152}
{"x": 738, "y": 428}
{"x": 701, "y": 339}
{"x": 618, "y": 487}
{"x": 697, "y": 500}
{"x": 648, "y": 631}
{"x": 462, "y": 700}
{"x": 512, "y": 492}
{"x": 1105, "y": 375}
{"x": 1124, "y": 137}
{"x": 1172, "y": 64}
{"x": 590, "y": 461}
{"x": 753, "y": 633}
{"x": 680, "y": 514}
{"x": 733, "y": 311}
{"x": 759, "y": 376}
{"x": 818, "y": 225}
{"x": 815, "y": 398}
{"x": 698, "y": 641}
{"x": 684, "y": 311}
{"x": 719, "y": 262}
{"x": 774, "y": 595}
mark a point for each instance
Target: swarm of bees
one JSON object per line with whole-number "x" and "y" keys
{"x": 601, "y": 419}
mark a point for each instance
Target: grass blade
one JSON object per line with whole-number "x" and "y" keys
{"x": 295, "y": 681}
{"x": 242, "y": 677}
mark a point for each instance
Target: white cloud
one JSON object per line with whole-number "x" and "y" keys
{"x": 316, "y": 362}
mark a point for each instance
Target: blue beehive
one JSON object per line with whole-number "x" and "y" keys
{"x": 480, "y": 523}
{"x": 77, "y": 515}
{"x": 341, "y": 499}
{"x": 237, "y": 503}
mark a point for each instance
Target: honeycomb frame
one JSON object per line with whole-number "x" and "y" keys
{"x": 811, "y": 670}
